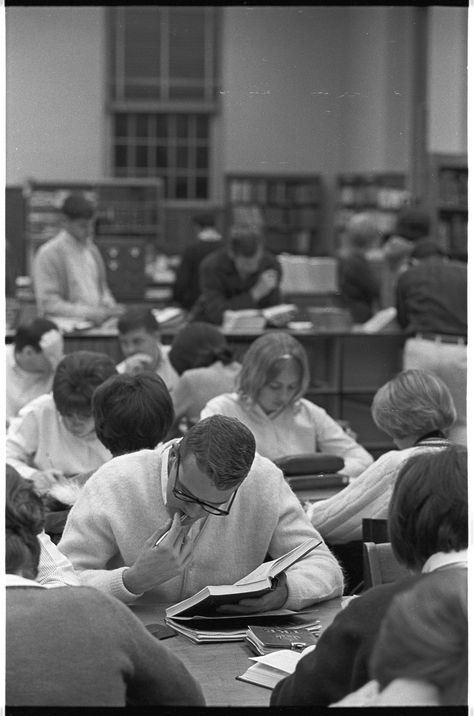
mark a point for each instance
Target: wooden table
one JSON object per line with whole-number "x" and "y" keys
{"x": 216, "y": 666}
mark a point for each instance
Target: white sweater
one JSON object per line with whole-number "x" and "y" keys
{"x": 302, "y": 428}
{"x": 121, "y": 506}
{"x": 38, "y": 440}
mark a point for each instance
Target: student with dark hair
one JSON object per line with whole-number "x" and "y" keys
{"x": 54, "y": 435}
{"x": 30, "y": 362}
{"x": 241, "y": 275}
{"x": 132, "y": 412}
{"x": 428, "y": 528}
{"x": 69, "y": 272}
{"x": 420, "y": 657}
{"x": 75, "y": 646}
{"x": 227, "y": 507}
{"x": 202, "y": 357}
{"x": 139, "y": 338}
{"x": 207, "y": 240}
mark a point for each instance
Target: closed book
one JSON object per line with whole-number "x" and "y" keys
{"x": 254, "y": 584}
{"x": 268, "y": 670}
{"x": 264, "y": 639}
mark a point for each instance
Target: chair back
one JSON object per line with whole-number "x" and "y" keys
{"x": 374, "y": 530}
{"x": 380, "y": 565}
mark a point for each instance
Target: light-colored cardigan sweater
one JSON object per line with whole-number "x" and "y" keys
{"x": 300, "y": 428}
{"x": 121, "y": 506}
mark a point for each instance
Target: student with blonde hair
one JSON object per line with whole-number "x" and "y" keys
{"x": 269, "y": 400}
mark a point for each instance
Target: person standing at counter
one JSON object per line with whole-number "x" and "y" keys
{"x": 240, "y": 276}
{"x": 431, "y": 302}
{"x": 68, "y": 271}
{"x": 269, "y": 400}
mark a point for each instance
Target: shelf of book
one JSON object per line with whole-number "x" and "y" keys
{"x": 286, "y": 206}
{"x": 448, "y": 201}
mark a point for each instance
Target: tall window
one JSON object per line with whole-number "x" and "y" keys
{"x": 163, "y": 95}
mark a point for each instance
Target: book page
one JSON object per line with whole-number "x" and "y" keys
{"x": 275, "y": 566}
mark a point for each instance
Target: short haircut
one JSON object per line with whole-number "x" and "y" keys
{"x": 29, "y": 334}
{"x": 428, "y": 510}
{"x": 362, "y": 230}
{"x": 413, "y": 223}
{"x": 424, "y": 636}
{"x": 76, "y": 206}
{"x": 415, "y": 402}
{"x": 198, "y": 345}
{"x": 77, "y": 376}
{"x": 132, "y": 412}
{"x": 265, "y": 359}
{"x": 24, "y": 520}
{"x": 204, "y": 220}
{"x": 224, "y": 449}
{"x": 245, "y": 240}
{"x": 136, "y": 318}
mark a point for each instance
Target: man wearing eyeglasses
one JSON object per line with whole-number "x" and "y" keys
{"x": 203, "y": 510}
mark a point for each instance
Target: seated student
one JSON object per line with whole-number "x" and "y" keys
{"x": 30, "y": 362}
{"x": 228, "y": 508}
{"x": 207, "y": 239}
{"x": 269, "y": 400}
{"x": 75, "y": 646}
{"x": 54, "y": 437}
{"x": 139, "y": 337}
{"x": 416, "y": 409}
{"x": 68, "y": 270}
{"x": 420, "y": 657}
{"x": 202, "y": 357}
{"x": 54, "y": 569}
{"x": 428, "y": 528}
{"x": 241, "y": 275}
{"x": 132, "y": 412}
{"x": 358, "y": 283}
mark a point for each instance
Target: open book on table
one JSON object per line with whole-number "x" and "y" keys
{"x": 268, "y": 670}
{"x": 254, "y": 584}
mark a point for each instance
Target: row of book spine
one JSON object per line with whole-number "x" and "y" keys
{"x": 265, "y": 191}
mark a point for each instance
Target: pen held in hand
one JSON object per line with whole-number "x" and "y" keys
{"x": 167, "y": 531}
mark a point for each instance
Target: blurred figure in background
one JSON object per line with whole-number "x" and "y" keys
{"x": 30, "y": 362}
{"x": 359, "y": 285}
{"x": 186, "y": 286}
{"x": 202, "y": 357}
{"x": 239, "y": 276}
{"x": 69, "y": 272}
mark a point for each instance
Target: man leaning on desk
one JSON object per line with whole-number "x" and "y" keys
{"x": 241, "y": 275}
{"x": 229, "y": 509}
{"x": 68, "y": 271}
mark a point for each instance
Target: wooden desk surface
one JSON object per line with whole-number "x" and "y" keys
{"x": 216, "y": 666}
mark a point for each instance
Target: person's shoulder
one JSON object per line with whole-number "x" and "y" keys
{"x": 216, "y": 257}
{"x": 42, "y": 404}
{"x": 376, "y": 598}
{"x": 57, "y": 242}
{"x": 225, "y": 400}
{"x": 121, "y": 470}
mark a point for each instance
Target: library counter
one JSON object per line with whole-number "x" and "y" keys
{"x": 216, "y": 665}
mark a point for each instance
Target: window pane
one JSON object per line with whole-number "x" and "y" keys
{"x": 181, "y": 188}
{"x": 120, "y": 125}
{"x": 141, "y": 51}
{"x": 161, "y": 131}
{"x": 120, "y": 155}
{"x": 141, "y": 155}
{"x": 202, "y": 126}
{"x": 202, "y": 157}
{"x": 187, "y": 46}
{"x": 142, "y": 125}
{"x": 202, "y": 188}
{"x": 182, "y": 157}
{"x": 182, "y": 126}
{"x": 161, "y": 157}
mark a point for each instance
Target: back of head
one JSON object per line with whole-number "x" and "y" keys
{"x": 196, "y": 345}
{"x": 424, "y": 636}
{"x": 428, "y": 510}
{"x": 76, "y": 206}
{"x": 24, "y": 520}
{"x": 132, "y": 412}
{"x": 224, "y": 449}
{"x": 29, "y": 334}
{"x": 413, "y": 223}
{"x": 245, "y": 240}
{"x": 77, "y": 376}
{"x": 414, "y": 403}
{"x": 362, "y": 232}
{"x": 425, "y": 248}
{"x": 137, "y": 318}
{"x": 264, "y": 360}
{"x": 204, "y": 221}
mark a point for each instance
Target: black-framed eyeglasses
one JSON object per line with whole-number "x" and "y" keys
{"x": 189, "y": 497}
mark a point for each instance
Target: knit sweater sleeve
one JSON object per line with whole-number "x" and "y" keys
{"x": 318, "y": 575}
{"x": 89, "y": 543}
{"x": 159, "y": 677}
{"x": 339, "y": 518}
{"x": 331, "y": 439}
